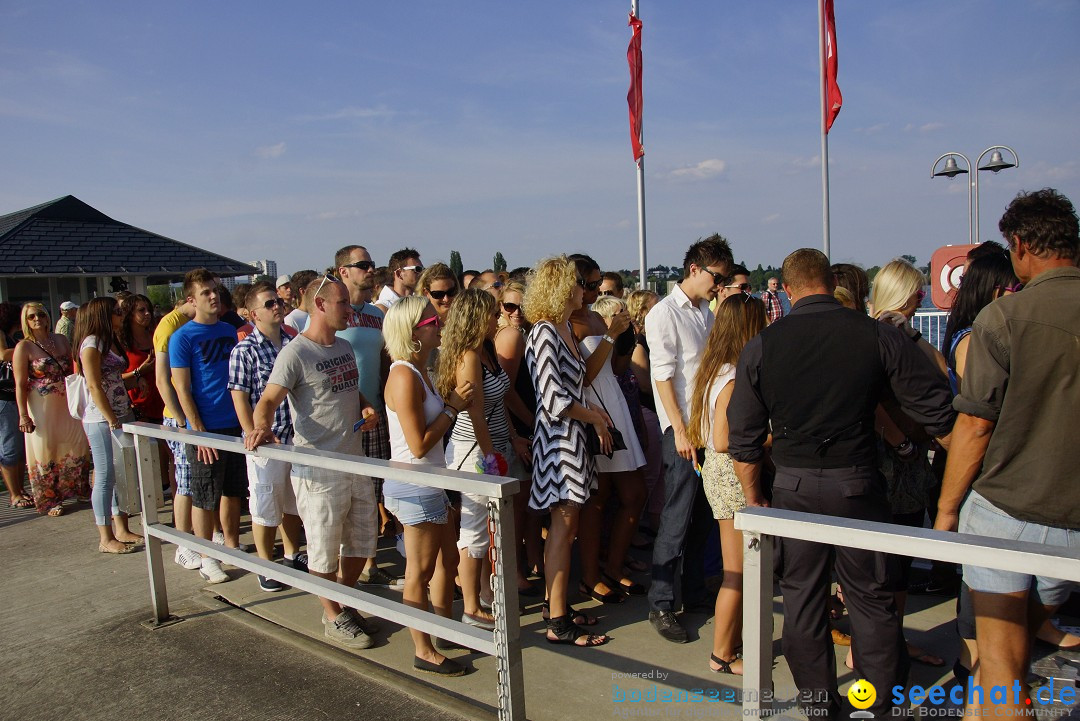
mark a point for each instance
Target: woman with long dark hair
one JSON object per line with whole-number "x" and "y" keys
{"x": 102, "y": 361}
{"x": 739, "y": 318}
{"x": 137, "y": 335}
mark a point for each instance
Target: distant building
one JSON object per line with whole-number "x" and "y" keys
{"x": 66, "y": 250}
{"x": 266, "y": 267}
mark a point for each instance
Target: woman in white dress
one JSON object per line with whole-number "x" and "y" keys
{"x": 601, "y": 341}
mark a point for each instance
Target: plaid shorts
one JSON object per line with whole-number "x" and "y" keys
{"x": 180, "y": 462}
{"x": 339, "y": 515}
{"x": 377, "y": 445}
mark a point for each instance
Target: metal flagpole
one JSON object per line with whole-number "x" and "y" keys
{"x": 641, "y": 192}
{"x": 824, "y": 130}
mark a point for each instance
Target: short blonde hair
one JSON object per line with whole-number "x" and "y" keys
{"x": 550, "y": 286}
{"x": 608, "y": 306}
{"x": 893, "y": 286}
{"x": 27, "y": 333}
{"x": 399, "y": 324}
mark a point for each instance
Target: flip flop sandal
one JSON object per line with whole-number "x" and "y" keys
{"x": 56, "y": 511}
{"x": 725, "y": 666}
{"x": 23, "y": 502}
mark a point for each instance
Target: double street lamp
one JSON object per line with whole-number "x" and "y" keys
{"x": 951, "y": 170}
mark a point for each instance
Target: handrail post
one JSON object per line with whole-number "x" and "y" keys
{"x": 149, "y": 486}
{"x": 511, "y": 677}
{"x": 757, "y": 624}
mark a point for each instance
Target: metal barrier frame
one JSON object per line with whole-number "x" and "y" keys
{"x": 504, "y": 644}
{"x": 760, "y": 527}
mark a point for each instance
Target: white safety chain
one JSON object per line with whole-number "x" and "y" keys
{"x": 498, "y": 609}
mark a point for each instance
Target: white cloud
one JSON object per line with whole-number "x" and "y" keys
{"x": 702, "y": 171}
{"x": 930, "y": 127}
{"x": 353, "y": 113}
{"x": 811, "y": 162}
{"x": 873, "y": 129}
{"x": 771, "y": 218}
{"x": 266, "y": 152}
{"x": 334, "y": 215}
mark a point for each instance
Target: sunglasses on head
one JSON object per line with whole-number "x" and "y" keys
{"x": 440, "y": 294}
{"x": 428, "y": 321}
{"x": 1014, "y": 288}
{"x": 326, "y": 277}
{"x": 361, "y": 264}
{"x": 744, "y": 287}
{"x": 274, "y": 302}
{"x": 511, "y": 308}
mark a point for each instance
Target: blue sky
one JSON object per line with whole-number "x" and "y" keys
{"x": 286, "y": 130}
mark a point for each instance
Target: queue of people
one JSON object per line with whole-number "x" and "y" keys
{"x": 625, "y": 416}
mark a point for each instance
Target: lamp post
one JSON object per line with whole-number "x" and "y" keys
{"x": 994, "y": 165}
{"x": 951, "y": 170}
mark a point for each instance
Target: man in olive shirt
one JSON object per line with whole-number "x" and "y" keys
{"x": 1014, "y": 444}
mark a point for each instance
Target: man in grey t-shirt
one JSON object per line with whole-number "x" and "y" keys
{"x": 318, "y": 373}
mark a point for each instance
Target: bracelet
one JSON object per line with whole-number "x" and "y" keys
{"x": 917, "y": 336}
{"x": 608, "y": 338}
{"x": 450, "y": 413}
{"x": 138, "y": 374}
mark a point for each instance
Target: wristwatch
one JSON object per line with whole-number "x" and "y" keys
{"x": 608, "y": 338}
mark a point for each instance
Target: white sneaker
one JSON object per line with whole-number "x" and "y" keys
{"x": 219, "y": 538}
{"x": 211, "y": 571}
{"x": 346, "y": 630}
{"x": 187, "y": 559}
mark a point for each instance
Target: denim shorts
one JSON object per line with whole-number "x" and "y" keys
{"x": 982, "y": 518}
{"x": 414, "y": 510}
{"x": 11, "y": 438}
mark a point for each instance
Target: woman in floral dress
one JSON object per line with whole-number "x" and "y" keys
{"x": 57, "y": 453}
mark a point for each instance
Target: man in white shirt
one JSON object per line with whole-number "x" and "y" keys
{"x": 677, "y": 328}
{"x": 298, "y": 317}
{"x": 405, "y": 269}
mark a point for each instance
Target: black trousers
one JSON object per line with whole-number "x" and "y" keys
{"x": 867, "y": 577}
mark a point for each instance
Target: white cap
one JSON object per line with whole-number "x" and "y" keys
{"x": 282, "y": 280}
{"x": 68, "y": 305}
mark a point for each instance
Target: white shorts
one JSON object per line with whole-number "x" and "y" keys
{"x": 339, "y": 514}
{"x": 473, "y": 534}
{"x": 270, "y": 492}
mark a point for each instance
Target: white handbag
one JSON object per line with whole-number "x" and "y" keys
{"x": 77, "y": 395}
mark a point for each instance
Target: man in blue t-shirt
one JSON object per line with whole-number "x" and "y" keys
{"x": 199, "y": 359}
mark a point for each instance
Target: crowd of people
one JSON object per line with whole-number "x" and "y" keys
{"x": 626, "y": 416}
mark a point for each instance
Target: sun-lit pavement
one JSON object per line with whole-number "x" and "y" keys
{"x": 76, "y": 649}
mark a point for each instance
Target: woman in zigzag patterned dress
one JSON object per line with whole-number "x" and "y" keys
{"x": 563, "y": 471}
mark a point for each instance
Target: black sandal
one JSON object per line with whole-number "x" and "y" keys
{"x": 631, "y": 589}
{"x": 609, "y": 597}
{"x": 580, "y": 618}
{"x": 566, "y": 631}
{"x": 725, "y": 666}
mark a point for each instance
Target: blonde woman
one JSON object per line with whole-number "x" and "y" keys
{"x": 895, "y": 295}
{"x": 563, "y": 471}
{"x": 638, "y": 304}
{"x": 418, "y": 418}
{"x": 738, "y": 319}
{"x": 57, "y": 452}
{"x": 468, "y": 355}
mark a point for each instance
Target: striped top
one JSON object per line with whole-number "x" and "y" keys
{"x": 494, "y": 385}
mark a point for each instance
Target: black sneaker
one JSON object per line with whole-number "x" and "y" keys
{"x": 668, "y": 626}
{"x": 299, "y": 563}
{"x": 270, "y": 585}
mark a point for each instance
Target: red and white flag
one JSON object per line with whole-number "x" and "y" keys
{"x": 633, "y": 98}
{"x": 833, "y": 99}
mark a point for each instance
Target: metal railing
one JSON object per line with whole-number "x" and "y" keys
{"x": 931, "y": 323}
{"x": 504, "y": 644}
{"x": 760, "y": 527}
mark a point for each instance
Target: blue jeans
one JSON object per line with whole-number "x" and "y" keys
{"x": 103, "y": 496}
{"x": 681, "y": 485}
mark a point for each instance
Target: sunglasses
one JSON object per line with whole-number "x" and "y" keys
{"x": 511, "y": 308}
{"x": 440, "y": 294}
{"x": 718, "y": 278}
{"x": 920, "y": 294}
{"x": 118, "y": 311}
{"x": 35, "y": 316}
{"x": 1015, "y": 288}
{"x": 361, "y": 264}
{"x": 326, "y": 277}
{"x": 274, "y": 302}
{"x": 416, "y": 268}
{"x": 497, "y": 284}
{"x": 592, "y": 285}
{"x": 744, "y": 287}
{"x": 428, "y": 321}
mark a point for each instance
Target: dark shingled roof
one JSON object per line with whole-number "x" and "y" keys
{"x": 68, "y": 237}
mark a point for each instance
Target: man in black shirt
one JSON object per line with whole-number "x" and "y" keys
{"x": 820, "y": 405}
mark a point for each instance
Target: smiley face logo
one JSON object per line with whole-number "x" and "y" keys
{"x": 862, "y": 694}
